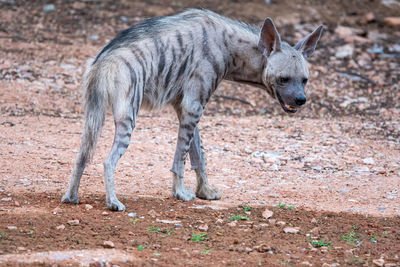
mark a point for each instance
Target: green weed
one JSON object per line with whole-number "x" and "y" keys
{"x": 198, "y": 237}
{"x": 140, "y": 248}
{"x": 320, "y": 243}
{"x": 238, "y": 218}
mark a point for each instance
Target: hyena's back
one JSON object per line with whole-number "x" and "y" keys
{"x": 157, "y": 61}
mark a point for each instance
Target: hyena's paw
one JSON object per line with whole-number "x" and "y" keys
{"x": 115, "y": 205}
{"x": 208, "y": 192}
{"x": 184, "y": 194}
{"x": 68, "y": 198}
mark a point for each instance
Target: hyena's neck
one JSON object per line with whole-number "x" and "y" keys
{"x": 247, "y": 62}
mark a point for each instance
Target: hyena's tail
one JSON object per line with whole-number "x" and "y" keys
{"x": 95, "y": 106}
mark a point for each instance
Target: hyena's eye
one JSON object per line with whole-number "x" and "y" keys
{"x": 284, "y": 80}
{"x": 305, "y": 80}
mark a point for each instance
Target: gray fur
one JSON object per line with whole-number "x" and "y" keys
{"x": 180, "y": 60}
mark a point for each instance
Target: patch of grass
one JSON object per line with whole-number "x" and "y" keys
{"x": 153, "y": 229}
{"x": 156, "y": 254}
{"x": 134, "y": 221}
{"x": 3, "y": 235}
{"x": 247, "y": 208}
{"x": 354, "y": 227}
{"x": 320, "y": 243}
{"x": 31, "y": 232}
{"x": 360, "y": 260}
{"x": 282, "y": 206}
{"x": 352, "y": 239}
{"x": 238, "y": 218}
{"x": 206, "y": 251}
{"x": 373, "y": 239}
{"x": 168, "y": 232}
{"x": 198, "y": 237}
{"x": 140, "y": 248}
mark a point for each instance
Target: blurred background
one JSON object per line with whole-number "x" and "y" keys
{"x": 355, "y": 71}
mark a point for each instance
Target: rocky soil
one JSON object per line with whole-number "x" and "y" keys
{"x": 318, "y": 187}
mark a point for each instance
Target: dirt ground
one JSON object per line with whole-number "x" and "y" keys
{"x": 318, "y": 188}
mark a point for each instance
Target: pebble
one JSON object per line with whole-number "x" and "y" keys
{"x": 57, "y": 210}
{"x": 94, "y": 37}
{"x": 73, "y": 222}
{"x": 88, "y": 207}
{"x": 60, "y": 227}
{"x": 6, "y": 199}
{"x": 219, "y": 221}
{"x": 12, "y": 227}
{"x": 203, "y": 227}
{"x": 104, "y": 213}
{"x": 345, "y": 51}
{"x": 313, "y": 220}
{"x": 281, "y": 223}
{"x": 168, "y": 221}
{"x": 291, "y": 230}
{"x": 108, "y": 244}
{"x": 132, "y": 214}
{"x": 232, "y": 224}
{"x": 21, "y": 248}
{"x": 378, "y": 262}
{"x": 267, "y": 214}
{"x": 49, "y": 8}
{"x": 392, "y": 21}
{"x": 369, "y": 161}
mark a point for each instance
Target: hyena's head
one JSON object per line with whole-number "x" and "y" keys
{"x": 286, "y": 71}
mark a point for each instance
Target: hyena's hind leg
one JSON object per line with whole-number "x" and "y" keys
{"x": 198, "y": 162}
{"x": 123, "y": 131}
{"x": 71, "y": 196}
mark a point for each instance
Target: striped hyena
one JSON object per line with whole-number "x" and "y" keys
{"x": 180, "y": 60}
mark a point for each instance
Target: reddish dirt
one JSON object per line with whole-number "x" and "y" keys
{"x": 335, "y": 163}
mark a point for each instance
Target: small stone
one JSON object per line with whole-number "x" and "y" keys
{"x": 369, "y": 17}
{"x": 88, "y": 207}
{"x": 369, "y": 161}
{"x": 12, "y": 227}
{"x": 16, "y": 203}
{"x": 203, "y": 227}
{"x": 291, "y": 230}
{"x": 57, "y": 210}
{"x": 267, "y": 214}
{"x": 305, "y": 263}
{"x": 361, "y": 169}
{"x": 94, "y": 37}
{"x": 262, "y": 248}
{"x": 232, "y": 224}
{"x": 60, "y": 227}
{"x": 108, "y": 244}
{"x": 168, "y": 221}
{"x": 132, "y": 214}
{"x": 345, "y": 51}
{"x": 104, "y": 213}
{"x": 379, "y": 262}
{"x": 280, "y": 223}
{"x": 392, "y": 21}
{"x": 49, "y": 8}
{"x": 272, "y": 221}
{"x": 6, "y": 199}
{"x": 78, "y": 5}
{"x": 153, "y": 213}
{"x": 313, "y": 220}
{"x": 21, "y": 248}
{"x": 248, "y": 250}
{"x": 73, "y": 222}
{"x": 219, "y": 221}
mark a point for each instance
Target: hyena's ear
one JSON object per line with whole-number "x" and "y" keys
{"x": 307, "y": 45}
{"x": 270, "y": 39}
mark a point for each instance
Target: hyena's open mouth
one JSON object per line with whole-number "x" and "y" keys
{"x": 286, "y": 107}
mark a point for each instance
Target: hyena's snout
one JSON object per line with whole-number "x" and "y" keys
{"x": 300, "y": 99}
{"x": 291, "y": 100}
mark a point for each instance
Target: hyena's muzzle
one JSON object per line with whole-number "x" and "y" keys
{"x": 290, "y": 93}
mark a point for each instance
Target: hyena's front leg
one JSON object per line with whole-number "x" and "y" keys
{"x": 198, "y": 162}
{"x": 188, "y": 119}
